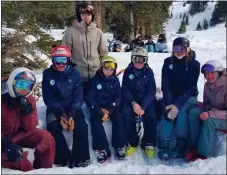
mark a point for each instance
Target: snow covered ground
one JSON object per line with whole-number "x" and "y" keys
{"x": 208, "y": 44}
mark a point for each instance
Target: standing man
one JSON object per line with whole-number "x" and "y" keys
{"x": 86, "y": 42}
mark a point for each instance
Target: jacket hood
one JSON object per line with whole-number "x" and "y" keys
{"x": 220, "y": 82}
{"x": 10, "y": 80}
{"x": 82, "y": 26}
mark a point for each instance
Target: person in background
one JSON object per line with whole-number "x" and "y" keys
{"x": 19, "y": 121}
{"x": 204, "y": 122}
{"x": 63, "y": 96}
{"x": 103, "y": 98}
{"x": 161, "y": 45}
{"x": 86, "y": 42}
{"x": 180, "y": 74}
{"x": 138, "y": 98}
{"x": 150, "y": 45}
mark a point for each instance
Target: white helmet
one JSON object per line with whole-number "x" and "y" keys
{"x": 141, "y": 52}
{"x": 212, "y": 66}
{"x": 13, "y": 76}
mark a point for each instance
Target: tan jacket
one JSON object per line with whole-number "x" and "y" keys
{"x": 215, "y": 97}
{"x": 87, "y": 45}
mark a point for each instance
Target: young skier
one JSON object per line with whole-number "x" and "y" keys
{"x": 63, "y": 96}
{"x": 180, "y": 74}
{"x": 203, "y": 122}
{"x": 138, "y": 98}
{"x": 103, "y": 98}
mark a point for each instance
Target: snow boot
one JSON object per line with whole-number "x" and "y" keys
{"x": 130, "y": 150}
{"x": 191, "y": 154}
{"x": 82, "y": 164}
{"x": 198, "y": 156}
{"x": 103, "y": 155}
{"x": 163, "y": 152}
{"x": 149, "y": 151}
{"x": 120, "y": 153}
{"x": 180, "y": 148}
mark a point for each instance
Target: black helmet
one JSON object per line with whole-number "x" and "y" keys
{"x": 181, "y": 41}
{"x": 84, "y": 5}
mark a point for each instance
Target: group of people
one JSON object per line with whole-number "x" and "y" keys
{"x": 160, "y": 46}
{"x": 82, "y": 71}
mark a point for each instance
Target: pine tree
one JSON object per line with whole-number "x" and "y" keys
{"x": 198, "y": 28}
{"x": 197, "y": 6}
{"x": 182, "y": 28}
{"x": 184, "y": 4}
{"x": 184, "y": 16}
{"x": 186, "y": 20}
{"x": 205, "y": 24}
{"x": 180, "y": 15}
{"x": 219, "y": 13}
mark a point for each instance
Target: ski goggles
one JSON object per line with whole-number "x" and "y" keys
{"x": 60, "y": 60}
{"x": 139, "y": 59}
{"x": 207, "y": 68}
{"x": 179, "y": 49}
{"x": 22, "y": 84}
{"x": 109, "y": 64}
{"x": 87, "y": 11}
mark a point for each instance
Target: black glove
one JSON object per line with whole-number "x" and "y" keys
{"x": 14, "y": 153}
{"x": 6, "y": 141}
{"x": 25, "y": 107}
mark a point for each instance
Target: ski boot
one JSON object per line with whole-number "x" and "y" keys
{"x": 149, "y": 150}
{"x": 130, "y": 150}
{"x": 180, "y": 148}
{"x": 163, "y": 152}
{"x": 120, "y": 153}
{"x": 103, "y": 155}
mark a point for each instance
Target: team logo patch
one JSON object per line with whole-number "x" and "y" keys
{"x": 70, "y": 80}
{"x": 171, "y": 66}
{"x": 131, "y": 76}
{"x": 99, "y": 86}
{"x": 52, "y": 82}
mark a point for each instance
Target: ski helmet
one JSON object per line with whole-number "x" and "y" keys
{"x": 181, "y": 41}
{"x": 212, "y": 66}
{"x": 21, "y": 79}
{"x": 139, "y": 52}
{"x": 109, "y": 61}
{"x": 86, "y": 6}
{"x": 61, "y": 52}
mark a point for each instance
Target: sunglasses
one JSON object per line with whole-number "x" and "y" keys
{"x": 24, "y": 84}
{"x": 109, "y": 64}
{"x": 139, "y": 59}
{"x": 177, "y": 49}
{"x": 207, "y": 68}
{"x": 60, "y": 60}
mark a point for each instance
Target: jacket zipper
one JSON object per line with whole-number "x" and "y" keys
{"x": 87, "y": 56}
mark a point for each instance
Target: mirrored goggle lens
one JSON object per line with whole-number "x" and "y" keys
{"x": 24, "y": 84}
{"x": 207, "y": 68}
{"x": 139, "y": 59}
{"x": 108, "y": 65}
{"x": 60, "y": 60}
{"x": 177, "y": 49}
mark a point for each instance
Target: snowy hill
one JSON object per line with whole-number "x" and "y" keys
{"x": 173, "y": 24}
{"x": 208, "y": 44}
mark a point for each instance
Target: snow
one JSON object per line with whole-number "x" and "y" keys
{"x": 208, "y": 44}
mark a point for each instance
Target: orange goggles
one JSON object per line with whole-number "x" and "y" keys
{"x": 109, "y": 64}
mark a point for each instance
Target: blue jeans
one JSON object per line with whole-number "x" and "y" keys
{"x": 180, "y": 123}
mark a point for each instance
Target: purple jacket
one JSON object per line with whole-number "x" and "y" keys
{"x": 215, "y": 97}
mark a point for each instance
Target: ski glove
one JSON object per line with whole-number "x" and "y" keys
{"x": 171, "y": 111}
{"x": 139, "y": 127}
{"x": 64, "y": 122}
{"x": 14, "y": 153}
{"x": 25, "y": 107}
{"x": 106, "y": 115}
{"x": 71, "y": 124}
